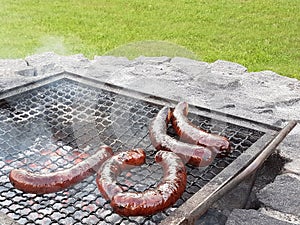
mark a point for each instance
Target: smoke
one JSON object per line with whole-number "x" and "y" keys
{"x": 52, "y": 44}
{"x": 151, "y": 48}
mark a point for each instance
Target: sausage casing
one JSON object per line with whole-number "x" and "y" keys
{"x": 37, "y": 183}
{"x": 192, "y": 154}
{"x": 190, "y": 133}
{"x": 107, "y": 175}
{"x": 166, "y": 193}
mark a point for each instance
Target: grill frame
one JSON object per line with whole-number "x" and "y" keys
{"x": 216, "y": 182}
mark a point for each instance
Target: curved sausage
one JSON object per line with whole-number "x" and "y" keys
{"x": 192, "y": 154}
{"x": 56, "y": 181}
{"x": 154, "y": 200}
{"x": 107, "y": 177}
{"x": 189, "y": 133}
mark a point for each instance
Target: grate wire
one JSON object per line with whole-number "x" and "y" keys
{"x": 57, "y": 125}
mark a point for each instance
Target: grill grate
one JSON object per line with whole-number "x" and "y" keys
{"x": 53, "y": 126}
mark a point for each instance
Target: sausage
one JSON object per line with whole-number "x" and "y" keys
{"x": 195, "y": 155}
{"x": 56, "y": 181}
{"x": 165, "y": 194}
{"x": 192, "y": 134}
{"x": 189, "y": 133}
{"x": 107, "y": 175}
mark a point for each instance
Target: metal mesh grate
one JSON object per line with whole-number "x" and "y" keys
{"x": 61, "y": 123}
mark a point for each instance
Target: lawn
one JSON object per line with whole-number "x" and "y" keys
{"x": 259, "y": 34}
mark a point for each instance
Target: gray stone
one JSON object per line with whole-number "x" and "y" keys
{"x": 280, "y": 216}
{"x": 180, "y": 61}
{"x": 10, "y": 67}
{"x": 111, "y": 60}
{"x": 291, "y": 142}
{"x": 151, "y": 60}
{"x": 14, "y": 73}
{"x": 103, "y": 67}
{"x": 287, "y": 149}
{"x": 235, "y": 198}
{"x": 144, "y": 74}
{"x": 225, "y": 67}
{"x": 12, "y": 63}
{"x": 253, "y": 95}
{"x": 276, "y": 94}
{"x": 9, "y": 63}
{"x": 265, "y": 97}
{"x": 191, "y": 67}
{"x": 45, "y": 63}
{"x": 74, "y": 63}
{"x": 252, "y": 217}
{"x": 50, "y": 63}
{"x": 212, "y": 217}
{"x": 293, "y": 166}
{"x": 282, "y": 195}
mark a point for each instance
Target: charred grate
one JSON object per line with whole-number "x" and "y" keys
{"x": 60, "y": 123}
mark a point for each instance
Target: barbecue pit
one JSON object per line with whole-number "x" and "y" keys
{"x": 60, "y": 120}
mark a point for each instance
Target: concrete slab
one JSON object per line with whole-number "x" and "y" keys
{"x": 9, "y": 67}
{"x": 252, "y": 217}
{"x": 282, "y": 195}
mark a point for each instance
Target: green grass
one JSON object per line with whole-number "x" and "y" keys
{"x": 260, "y": 34}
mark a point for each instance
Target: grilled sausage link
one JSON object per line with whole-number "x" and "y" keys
{"x": 107, "y": 177}
{"x": 154, "y": 200}
{"x": 56, "y": 181}
{"x": 192, "y": 154}
{"x": 189, "y": 133}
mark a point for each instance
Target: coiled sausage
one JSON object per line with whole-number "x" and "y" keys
{"x": 107, "y": 177}
{"x": 154, "y": 200}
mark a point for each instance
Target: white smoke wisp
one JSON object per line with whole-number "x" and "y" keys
{"x": 50, "y": 43}
{"x": 151, "y": 48}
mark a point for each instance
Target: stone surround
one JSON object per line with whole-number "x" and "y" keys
{"x": 224, "y": 86}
